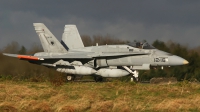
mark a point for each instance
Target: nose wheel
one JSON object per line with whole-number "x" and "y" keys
{"x": 134, "y": 79}
{"x": 135, "y": 75}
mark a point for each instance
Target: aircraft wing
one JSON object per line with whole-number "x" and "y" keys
{"x": 65, "y": 56}
{"x": 83, "y": 55}
{"x": 23, "y": 57}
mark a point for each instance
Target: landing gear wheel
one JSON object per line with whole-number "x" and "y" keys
{"x": 135, "y": 75}
{"x": 134, "y": 79}
{"x": 98, "y": 78}
{"x": 70, "y": 78}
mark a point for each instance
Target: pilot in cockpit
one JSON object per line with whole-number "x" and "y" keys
{"x": 139, "y": 45}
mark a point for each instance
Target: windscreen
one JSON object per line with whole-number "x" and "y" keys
{"x": 147, "y": 46}
{"x": 141, "y": 45}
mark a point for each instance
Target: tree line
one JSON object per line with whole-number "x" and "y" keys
{"x": 12, "y": 68}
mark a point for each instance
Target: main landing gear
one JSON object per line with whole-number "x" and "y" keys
{"x": 70, "y": 78}
{"x": 98, "y": 78}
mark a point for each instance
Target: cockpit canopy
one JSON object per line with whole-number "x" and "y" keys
{"x": 141, "y": 45}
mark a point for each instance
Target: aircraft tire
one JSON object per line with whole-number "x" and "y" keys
{"x": 98, "y": 78}
{"x": 134, "y": 79}
{"x": 70, "y": 78}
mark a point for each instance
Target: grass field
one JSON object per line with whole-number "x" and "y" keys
{"x": 113, "y": 96}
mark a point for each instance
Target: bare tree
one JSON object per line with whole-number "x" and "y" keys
{"x": 22, "y": 50}
{"x": 87, "y": 41}
{"x": 107, "y": 39}
{"x": 35, "y": 48}
{"x": 12, "y": 47}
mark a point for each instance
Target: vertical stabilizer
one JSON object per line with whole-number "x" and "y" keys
{"x": 71, "y": 38}
{"x": 48, "y": 40}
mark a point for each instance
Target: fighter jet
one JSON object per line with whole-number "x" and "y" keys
{"x": 71, "y": 57}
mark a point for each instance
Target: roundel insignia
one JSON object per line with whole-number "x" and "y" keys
{"x": 52, "y": 43}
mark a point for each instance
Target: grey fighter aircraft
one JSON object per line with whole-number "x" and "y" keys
{"x": 71, "y": 57}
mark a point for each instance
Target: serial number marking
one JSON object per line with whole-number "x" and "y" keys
{"x": 161, "y": 59}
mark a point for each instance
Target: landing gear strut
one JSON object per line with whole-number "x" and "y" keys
{"x": 134, "y": 74}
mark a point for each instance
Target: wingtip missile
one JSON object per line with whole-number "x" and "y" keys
{"x": 27, "y": 57}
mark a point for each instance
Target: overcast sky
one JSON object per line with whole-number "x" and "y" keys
{"x": 176, "y": 20}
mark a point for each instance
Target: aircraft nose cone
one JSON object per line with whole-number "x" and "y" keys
{"x": 176, "y": 60}
{"x": 185, "y": 62}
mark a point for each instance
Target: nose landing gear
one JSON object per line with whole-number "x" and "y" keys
{"x": 134, "y": 74}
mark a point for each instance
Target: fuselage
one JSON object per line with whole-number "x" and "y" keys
{"x": 71, "y": 57}
{"x": 153, "y": 57}
{"x": 98, "y": 60}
